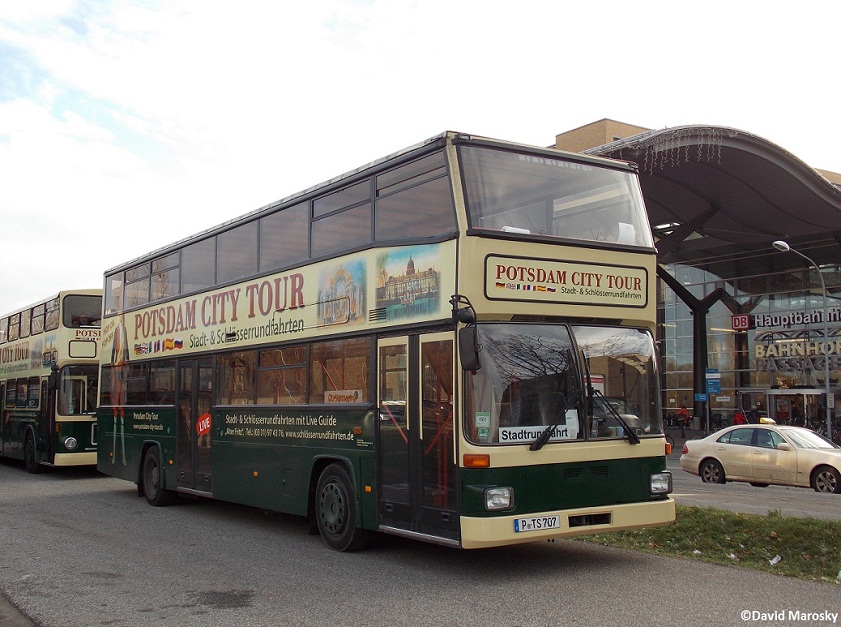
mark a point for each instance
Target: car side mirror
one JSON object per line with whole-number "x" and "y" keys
{"x": 783, "y": 446}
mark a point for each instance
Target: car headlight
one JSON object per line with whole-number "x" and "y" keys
{"x": 499, "y": 498}
{"x": 660, "y": 483}
{"x": 70, "y": 443}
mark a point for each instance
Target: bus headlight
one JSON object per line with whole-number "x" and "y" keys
{"x": 499, "y": 498}
{"x": 661, "y": 483}
{"x": 70, "y": 443}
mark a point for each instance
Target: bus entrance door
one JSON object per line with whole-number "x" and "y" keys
{"x": 194, "y": 424}
{"x": 417, "y": 476}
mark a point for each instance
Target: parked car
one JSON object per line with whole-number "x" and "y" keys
{"x": 765, "y": 454}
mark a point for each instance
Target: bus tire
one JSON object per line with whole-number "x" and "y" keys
{"x": 153, "y": 479}
{"x": 335, "y": 511}
{"x": 29, "y": 456}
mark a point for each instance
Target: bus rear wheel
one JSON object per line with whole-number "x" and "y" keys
{"x": 335, "y": 511}
{"x": 29, "y": 456}
{"x": 153, "y": 480}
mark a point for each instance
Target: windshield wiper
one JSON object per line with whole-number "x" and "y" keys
{"x": 543, "y": 438}
{"x": 633, "y": 438}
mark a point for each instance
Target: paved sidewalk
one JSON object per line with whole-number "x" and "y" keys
{"x": 10, "y": 617}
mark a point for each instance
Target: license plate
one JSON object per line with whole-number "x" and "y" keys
{"x": 537, "y": 523}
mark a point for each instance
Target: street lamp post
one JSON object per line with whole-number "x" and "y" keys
{"x": 785, "y": 248}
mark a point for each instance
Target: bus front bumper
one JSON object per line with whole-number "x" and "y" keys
{"x": 480, "y": 533}
{"x": 75, "y": 459}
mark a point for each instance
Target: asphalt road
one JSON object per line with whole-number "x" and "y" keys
{"x": 81, "y": 549}
{"x": 747, "y": 499}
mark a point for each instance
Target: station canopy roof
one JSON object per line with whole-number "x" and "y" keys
{"x": 718, "y": 197}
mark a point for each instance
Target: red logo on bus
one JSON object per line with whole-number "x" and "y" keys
{"x": 203, "y": 425}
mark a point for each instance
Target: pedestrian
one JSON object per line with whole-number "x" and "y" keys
{"x": 683, "y": 420}
{"x": 740, "y": 418}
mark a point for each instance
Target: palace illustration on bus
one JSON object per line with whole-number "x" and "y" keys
{"x": 452, "y": 344}
{"x": 49, "y": 374}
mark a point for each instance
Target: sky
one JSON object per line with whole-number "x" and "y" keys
{"x": 126, "y": 125}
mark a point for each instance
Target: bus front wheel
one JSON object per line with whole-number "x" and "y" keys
{"x": 29, "y": 456}
{"x": 335, "y": 511}
{"x": 153, "y": 480}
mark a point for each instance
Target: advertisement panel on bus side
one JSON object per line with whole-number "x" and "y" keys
{"x": 372, "y": 289}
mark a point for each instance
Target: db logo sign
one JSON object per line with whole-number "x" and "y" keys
{"x": 741, "y": 322}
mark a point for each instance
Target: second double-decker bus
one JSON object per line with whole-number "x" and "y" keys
{"x": 452, "y": 344}
{"x": 49, "y": 373}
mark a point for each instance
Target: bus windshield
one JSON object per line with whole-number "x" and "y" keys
{"x": 529, "y": 376}
{"x": 82, "y": 311}
{"x": 520, "y": 193}
{"x": 78, "y": 390}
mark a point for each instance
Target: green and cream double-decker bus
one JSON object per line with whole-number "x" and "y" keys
{"x": 49, "y": 373}
{"x": 452, "y": 344}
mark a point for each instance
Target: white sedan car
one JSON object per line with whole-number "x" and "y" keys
{"x": 764, "y": 454}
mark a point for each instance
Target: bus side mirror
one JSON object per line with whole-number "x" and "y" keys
{"x": 468, "y": 337}
{"x": 52, "y": 380}
{"x": 468, "y": 348}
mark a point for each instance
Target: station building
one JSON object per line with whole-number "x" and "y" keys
{"x": 741, "y": 324}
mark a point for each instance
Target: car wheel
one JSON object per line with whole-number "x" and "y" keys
{"x": 712, "y": 472}
{"x": 826, "y": 479}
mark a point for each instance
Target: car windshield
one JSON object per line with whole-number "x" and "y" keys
{"x": 803, "y": 438}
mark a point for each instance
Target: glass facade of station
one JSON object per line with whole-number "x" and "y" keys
{"x": 776, "y": 364}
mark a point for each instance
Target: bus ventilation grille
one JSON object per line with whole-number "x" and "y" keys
{"x": 377, "y": 315}
{"x": 599, "y": 471}
{"x": 588, "y": 520}
{"x": 573, "y": 473}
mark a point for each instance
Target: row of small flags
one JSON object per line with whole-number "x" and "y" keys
{"x": 158, "y": 346}
{"x": 526, "y": 287}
